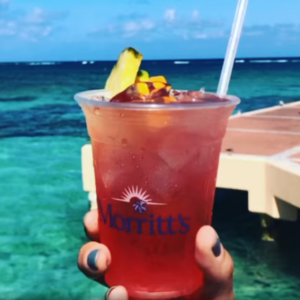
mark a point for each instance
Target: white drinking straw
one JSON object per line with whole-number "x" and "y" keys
{"x": 232, "y": 47}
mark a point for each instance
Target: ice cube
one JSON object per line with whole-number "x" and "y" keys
{"x": 131, "y": 94}
{"x": 147, "y": 92}
{"x": 197, "y": 96}
{"x": 161, "y": 181}
{"x": 177, "y": 149}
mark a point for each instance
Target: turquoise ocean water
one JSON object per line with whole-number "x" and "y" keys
{"x": 42, "y": 203}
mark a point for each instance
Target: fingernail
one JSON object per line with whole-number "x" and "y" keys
{"x": 108, "y": 292}
{"x": 217, "y": 248}
{"x": 85, "y": 231}
{"x": 92, "y": 260}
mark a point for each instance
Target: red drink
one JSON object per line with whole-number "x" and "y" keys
{"x": 156, "y": 168}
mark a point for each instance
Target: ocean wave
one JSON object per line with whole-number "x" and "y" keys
{"x": 181, "y": 62}
{"x": 266, "y": 61}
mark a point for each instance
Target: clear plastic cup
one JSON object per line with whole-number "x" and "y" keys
{"x": 155, "y": 168}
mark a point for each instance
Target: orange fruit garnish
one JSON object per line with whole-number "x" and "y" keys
{"x": 158, "y": 79}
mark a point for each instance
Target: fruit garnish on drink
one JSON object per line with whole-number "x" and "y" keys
{"x": 142, "y": 75}
{"x": 124, "y": 73}
{"x": 128, "y": 83}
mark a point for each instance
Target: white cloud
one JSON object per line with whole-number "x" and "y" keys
{"x": 9, "y": 29}
{"x": 38, "y": 16}
{"x": 200, "y": 36}
{"x": 33, "y": 26}
{"x": 130, "y": 29}
{"x": 131, "y": 26}
{"x": 47, "y": 31}
{"x": 141, "y": 26}
{"x": 170, "y": 15}
{"x": 254, "y": 33}
{"x": 41, "y": 16}
{"x": 281, "y": 32}
{"x": 195, "y": 15}
{"x": 147, "y": 24}
{"x": 176, "y": 27}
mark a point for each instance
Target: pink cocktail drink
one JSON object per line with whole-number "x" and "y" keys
{"x": 156, "y": 167}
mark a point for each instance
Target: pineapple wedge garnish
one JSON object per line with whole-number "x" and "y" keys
{"x": 124, "y": 72}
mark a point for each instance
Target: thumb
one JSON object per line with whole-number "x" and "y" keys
{"x": 116, "y": 293}
{"x": 212, "y": 258}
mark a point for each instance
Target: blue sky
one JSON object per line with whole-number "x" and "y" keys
{"x": 41, "y": 30}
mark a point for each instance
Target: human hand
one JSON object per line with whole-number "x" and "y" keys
{"x": 216, "y": 263}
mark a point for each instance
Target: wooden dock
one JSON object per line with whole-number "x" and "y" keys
{"x": 260, "y": 154}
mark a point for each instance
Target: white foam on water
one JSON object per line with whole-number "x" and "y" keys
{"x": 46, "y": 63}
{"x": 261, "y": 61}
{"x": 179, "y": 62}
{"x": 33, "y": 64}
{"x": 43, "y": 63}
{"x": 282, "y": 60}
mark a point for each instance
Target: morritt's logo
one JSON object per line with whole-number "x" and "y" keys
{"x": 139, "y": 198}
{"x": 149, "y": 224}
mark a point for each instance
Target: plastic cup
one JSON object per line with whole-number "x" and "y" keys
{"x": 155, "y": 168}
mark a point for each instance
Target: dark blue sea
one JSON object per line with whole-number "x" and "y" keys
{"x": 42, "y": 131}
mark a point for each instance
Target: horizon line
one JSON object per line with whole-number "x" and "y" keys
{"x": 144, "y": 60}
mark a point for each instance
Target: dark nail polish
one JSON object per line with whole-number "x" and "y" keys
{"x": 217, "y": 248}
{"x": 92, "y": 260}
{"x": 108, "y": 292}
{"x": 85, "y": 231}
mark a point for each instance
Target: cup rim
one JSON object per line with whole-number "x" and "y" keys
{"x": 84, "y": 98}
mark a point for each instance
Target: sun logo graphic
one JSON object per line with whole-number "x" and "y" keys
{"x": 138, "y": 197}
